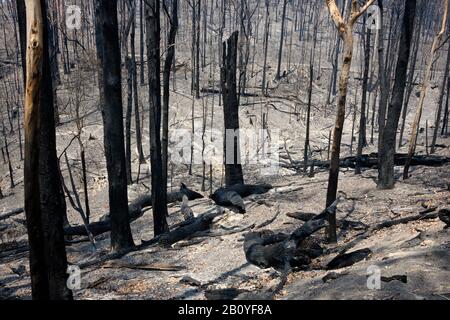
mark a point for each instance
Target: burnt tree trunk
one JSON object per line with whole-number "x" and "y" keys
{"x": 21, "y": 14}
{"x": 44, "y": 204}
{"x": 440, "y": 103}
{"x": 233, "y": 168}
{"x": 362, "y": 138}
{"x": 280, "y": 51}
{"x": 98, "y": 43}
{"x": 159, "y": 190}
{"x": 387, "y": 145}
{"x": 168, "y": 63}
{"x": 121, "y": 237}
{"x": 425, "y": 84}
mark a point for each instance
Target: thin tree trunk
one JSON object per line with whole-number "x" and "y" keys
{"x": 387, "y": 145}
{"x": 426, "y": 79}
{"x": 440, "y": 103}
{"x": 362, "y": 137}
{"x": 346, "y": 31}
{"x": 280, "y": 51}
{"x": 168, "y": 63}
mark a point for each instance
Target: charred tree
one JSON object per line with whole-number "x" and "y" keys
{"x": 44, "y": 205}
{"x": 168, "y": 63}
{"x": 425, "y": 84}
{"x": 121, "y": 238}
{"x": 159, "y": 190}
{"x": 233, "y": 168}
{"x": 389, "y": 130}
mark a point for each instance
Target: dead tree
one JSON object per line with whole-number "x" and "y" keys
{"x": 412, "y": 68}
{"x": 308, "y": 115}
{"x": 98, "y": 44}
{"x": 159, "y": 190}
{"x": 233, "y": 168}
{"x": 21, "y": 14}
{"x": 426, "y": 79}
{"x": 168, "y": 63}
{"x": 11, "y": 172}
{"x": 280, "y": 50}
{"x": 43, "y": 204}
{"x": 440, "y": 103}
{"x": 121, "y": 237}
{"x": 266, "y": 47}
{"x": 389, "y": 126}
{"x": 362, "y": 138}
{"x": 345, "y": 29}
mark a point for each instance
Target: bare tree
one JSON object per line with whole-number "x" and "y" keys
{"x": 233, "y": 168}
{"x": 159, "y": 190}
{"x": 345, "y": 29}
{"x": 426, "y": 79}
{"x": 386, "y": 152}
{"x": 168, "y": 63}
{"x": 121, "y": 237}
{"x": 44, "y": 206}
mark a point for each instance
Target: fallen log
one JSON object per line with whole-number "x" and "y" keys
{"x": 302, "y": 216}
{"x": 401, "y": 278}
{"x": 229, "y": 199}
{"x": 370, "y": 161}
{"x": 232, "y": 197}
{"x": 185, "y": 229}
{"x": 348, "y": 259}
{"x": 196, "y": 225}
{"x": 245, "y": 190}
{"x": 145, "y": 267}
{"x": 135, "y": 210}
{"x": 11, "y": 213}
{"x": 283, "y": 252}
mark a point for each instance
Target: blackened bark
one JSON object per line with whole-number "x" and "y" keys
{"x": 362, "y": 138}
{"x": 53, "y": 206}
{"x": 121, "y": 237}
{"x": 266, "y": 47}
{"x": 387, "y": 145}
{"x": 98, "y": 43}
{"x": 168, "y": 63}
{"x": 159, "y": 190}
{"x": 44, "y": 200}
{"x": 233, "y": 168}
{"x": 280, "y": 51}
{"x": 128, "y": 120}
{"x": 137, "y": 116}
{"x": 21, "y": 15}
{"x": 440, "y": 103}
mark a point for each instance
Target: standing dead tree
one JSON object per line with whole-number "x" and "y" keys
{"x": 168, "y": 63}
{"x": 415, "y": 128}
{"x": 233, "y": 168}
{"x": 388, "y": 131}
{"x": 345, "y": 29}
{"x": 121, "y": 237}
{"x": 44, "y": 205}
{"x": 440, "y": 103}
{"x": 159, "y": 190}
